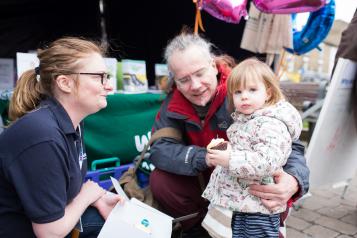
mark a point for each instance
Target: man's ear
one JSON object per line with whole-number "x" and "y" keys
{"x": 214, "y": 65}
{"x": 64, "y": 83}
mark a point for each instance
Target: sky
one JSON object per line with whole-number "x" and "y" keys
{"x": 345, "y": 9}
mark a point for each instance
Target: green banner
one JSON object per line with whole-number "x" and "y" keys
{"x": 123, "y": 128}
{"x": 4, "y": 107}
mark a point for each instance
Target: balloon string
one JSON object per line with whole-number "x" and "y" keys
{"x": 280, "y": 65}
{"x": 198, "y": 18}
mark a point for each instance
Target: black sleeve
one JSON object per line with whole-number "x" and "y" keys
{"x": 174, "y": 157}
{"x": 40, "y": 178}
{"x": 297, "y": 167}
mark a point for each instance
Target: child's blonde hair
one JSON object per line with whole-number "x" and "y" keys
{"x": 253, "y": 70}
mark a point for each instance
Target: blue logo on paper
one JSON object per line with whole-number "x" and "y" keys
{"x": 346, "y": 83}
{"x": 145, "y": 222}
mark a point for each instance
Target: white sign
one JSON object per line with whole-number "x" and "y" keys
{"x": 111, "y": 64}
{"x": 332, "y": 152}
{"x": 135, "y": 219}
{"x": 7, "y": 74}
{"x": 134, "y": 76}
{"x": 161, "y": 70}
{"x": 26, "y": 61}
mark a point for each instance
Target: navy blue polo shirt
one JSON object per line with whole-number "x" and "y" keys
{"x": 39, "y": 169}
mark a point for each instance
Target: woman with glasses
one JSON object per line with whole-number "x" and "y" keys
{"x": 42, "y": 158}
{"x": 197, "y": 107}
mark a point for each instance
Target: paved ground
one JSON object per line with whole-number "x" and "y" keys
{"x": 325, "y": 214}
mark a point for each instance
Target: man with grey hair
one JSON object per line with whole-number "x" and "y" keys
{"x": 196, "y": 106}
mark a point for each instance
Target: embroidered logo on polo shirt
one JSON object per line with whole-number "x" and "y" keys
{"x": 82, "y": 157}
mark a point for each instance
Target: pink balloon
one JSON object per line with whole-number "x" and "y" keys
{"x": 226, "y": 10}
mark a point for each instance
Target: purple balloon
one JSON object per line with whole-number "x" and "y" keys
{"x": 288, "y": 6}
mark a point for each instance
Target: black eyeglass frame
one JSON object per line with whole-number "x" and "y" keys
{"x": 104, "y": 77}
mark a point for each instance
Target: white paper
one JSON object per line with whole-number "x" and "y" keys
{"x": 136, "y": 219}
{"x": 7, "y": 74}
{"x": 115, "y": 227}
{"x": 332, "y": 151}
{"x": 118, "y": 188}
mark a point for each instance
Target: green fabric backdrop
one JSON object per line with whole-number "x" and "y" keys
{"x": 122, "y": 128}
{"x": 4, "y": 106}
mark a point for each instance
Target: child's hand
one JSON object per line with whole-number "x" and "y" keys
{"x": 209, "y": 161}
{"x": 219, "y": 157}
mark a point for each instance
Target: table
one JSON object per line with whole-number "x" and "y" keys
{"x": 123, "y": 128}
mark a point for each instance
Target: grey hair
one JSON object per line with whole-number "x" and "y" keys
{"x": 185, "y": 40}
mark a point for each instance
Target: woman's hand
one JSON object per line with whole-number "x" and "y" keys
{"x": 276, "y": 195}
{"x": 106, "y": 203}
{"x": 91, "y": 191}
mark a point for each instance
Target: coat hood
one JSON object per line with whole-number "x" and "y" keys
{"x": 282, "y": 111}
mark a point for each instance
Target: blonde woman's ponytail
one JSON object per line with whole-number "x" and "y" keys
{"x": 27, "y": 95}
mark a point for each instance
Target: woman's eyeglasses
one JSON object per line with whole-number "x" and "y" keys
{"x": 104, "y": 77}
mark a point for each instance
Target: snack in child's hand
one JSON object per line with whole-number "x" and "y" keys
{"x": 217, "y": 144}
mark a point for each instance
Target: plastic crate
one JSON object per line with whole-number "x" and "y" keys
{"x": 143, "y": 178}
{"x": 105, "y": 164}
{"x": 102, "y": 175}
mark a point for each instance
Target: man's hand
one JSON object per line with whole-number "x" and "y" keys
{"x": 276, "y": 195}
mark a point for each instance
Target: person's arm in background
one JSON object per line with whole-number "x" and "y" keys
{"x": 293, "y": 182}
{"x": 346, "y": 49}
{"x": 173, "y": 156}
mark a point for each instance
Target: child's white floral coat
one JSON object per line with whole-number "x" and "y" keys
{"x": 261, "y": 144}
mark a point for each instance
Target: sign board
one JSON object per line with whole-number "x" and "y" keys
{"x": 111, "y": 64}
{"x": 25, "y": 61}
{"x": 134, "y": 76}
{"x": 7, "y": 74}
{"x": 161, "y": 76}
{"x": 332, "y": 152}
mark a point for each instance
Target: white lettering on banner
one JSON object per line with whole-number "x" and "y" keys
{"x": 147, "y": 166}
{"x": 140, "y": 144}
